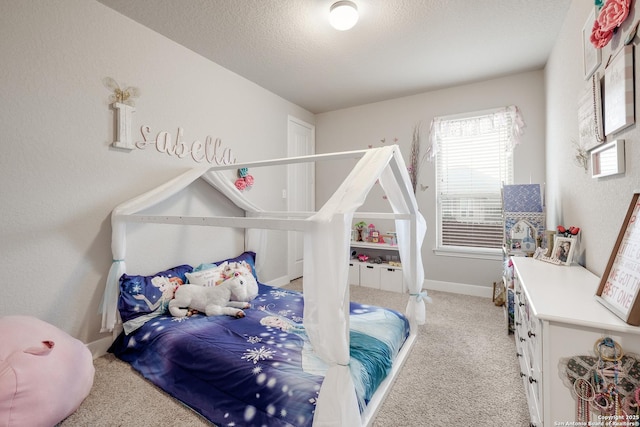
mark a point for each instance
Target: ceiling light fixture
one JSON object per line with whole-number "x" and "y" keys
{"x": 343, "y": 15}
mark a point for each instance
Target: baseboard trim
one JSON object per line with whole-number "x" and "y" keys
{"x": 459, "y": 288}
{"x": 278, "y": 282}
{"x": 99, "y": 347}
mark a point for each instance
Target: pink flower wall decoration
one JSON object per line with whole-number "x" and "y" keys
{"x": 240, "y": 184}
{"x": 244, "y": 181}
{"x": 611, "y": 16}
{"x": 598, "y": 37}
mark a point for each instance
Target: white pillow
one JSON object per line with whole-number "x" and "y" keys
{"x": 209, "y": 277}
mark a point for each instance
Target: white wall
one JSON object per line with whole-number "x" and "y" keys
{"x": 598, "y": 206}
{"x": 359, "y": 127}
{"x": 60, "y": 177}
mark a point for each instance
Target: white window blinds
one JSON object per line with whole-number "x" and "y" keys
{"x": 473, "y": 161}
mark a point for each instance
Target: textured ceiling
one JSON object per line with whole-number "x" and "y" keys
{"x": 398, "y": 47}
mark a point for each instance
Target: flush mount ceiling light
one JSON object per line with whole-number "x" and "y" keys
{"x": 343, "y": 15}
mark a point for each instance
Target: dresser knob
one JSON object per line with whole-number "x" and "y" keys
{"x": 522, "y": 339}
{"x": 532, "y": 380}
{"x": 520, "y": 304}
{"x": 522, "y": 375}
{"x": 518, "y": 323}
{"x": 531, "y": 334}
{"x": 518, "y": 354}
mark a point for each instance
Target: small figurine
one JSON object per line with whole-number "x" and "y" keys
{"x": 360, "y": 226}
{"x": 372, "y": 231}
{"x": 571, "y": 231}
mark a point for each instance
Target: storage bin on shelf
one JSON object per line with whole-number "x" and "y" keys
{"x": 385, "y": 275}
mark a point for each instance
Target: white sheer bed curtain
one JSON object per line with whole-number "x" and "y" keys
{"x": 410, "y": 249}
{"x": 119, "y": 242}
{"x": 254, "y": 238}
{"x": 326, "y": 315}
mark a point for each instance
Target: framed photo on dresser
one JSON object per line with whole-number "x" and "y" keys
{"x": 563, "y": 248}
{"x": 620, "y": 283}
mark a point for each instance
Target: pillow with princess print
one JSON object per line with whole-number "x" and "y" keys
{"x": 140, "y": 295}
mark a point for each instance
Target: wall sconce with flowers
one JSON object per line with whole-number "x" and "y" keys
{"x": 244, "y": 181}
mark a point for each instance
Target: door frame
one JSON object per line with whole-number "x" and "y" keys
{"x": 293, "y": 177}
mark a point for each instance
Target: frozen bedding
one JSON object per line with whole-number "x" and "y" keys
{"x": 260, "y": 369}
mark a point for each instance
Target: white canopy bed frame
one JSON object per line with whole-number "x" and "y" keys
{"x": 326, "y": 251}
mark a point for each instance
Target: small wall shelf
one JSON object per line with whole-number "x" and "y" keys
{"x": 383, "y": 246}
{"x": 608, "y": 159}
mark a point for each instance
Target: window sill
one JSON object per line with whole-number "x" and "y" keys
{"x": 488, "y": 254}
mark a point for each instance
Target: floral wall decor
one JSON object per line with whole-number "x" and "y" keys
{"x": 244, "y": 181}
{"x": 581, "y": 156}
{"x": 612, "y": 14}
{"x": 124, "y": 96}
{"x": 414, "y": 160}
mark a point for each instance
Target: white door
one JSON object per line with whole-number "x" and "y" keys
{"x": 300, "y": 187}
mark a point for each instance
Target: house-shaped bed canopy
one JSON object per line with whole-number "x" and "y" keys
{"x": 327, "y": 235}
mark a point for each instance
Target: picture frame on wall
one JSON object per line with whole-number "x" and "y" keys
{"x": 608, "y": 159}
{"x": 619, "y": 105}
{"x": 620, "y": 284}
{"x": 590, "y": 128}
{"x": 563, "y": 248}
{"x": 591, "y": 57}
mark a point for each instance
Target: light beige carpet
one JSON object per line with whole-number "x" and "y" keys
{"x": 462, "y": 371}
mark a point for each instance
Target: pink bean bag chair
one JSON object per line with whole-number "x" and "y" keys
{"x": 45, "y": 373}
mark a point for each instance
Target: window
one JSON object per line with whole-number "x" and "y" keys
{"x": 473, "y": 160}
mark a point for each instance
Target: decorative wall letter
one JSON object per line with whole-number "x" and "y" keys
{"x": 122, "y": 102}
{"x": 123, "y": 126}
{"x": 210, "y": 151}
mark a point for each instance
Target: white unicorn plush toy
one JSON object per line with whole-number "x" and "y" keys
{"x": 228, "y": 298}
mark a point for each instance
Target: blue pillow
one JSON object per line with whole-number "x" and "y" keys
{"x": 140, "y": 295}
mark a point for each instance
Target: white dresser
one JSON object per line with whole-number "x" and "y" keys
{"x": 557, "y": 316}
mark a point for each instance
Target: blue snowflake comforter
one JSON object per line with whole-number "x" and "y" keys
{"x": 258, "y": 370}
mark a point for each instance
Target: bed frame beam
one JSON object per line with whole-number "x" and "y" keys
{"x": 369, "y": 215}
{"x": 288, "y": 221}
{"x": 312, "y": 158}
{"x": 228, "y": 222}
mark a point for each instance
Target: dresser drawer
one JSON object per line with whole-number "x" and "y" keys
{"x": 528, "y": 349}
